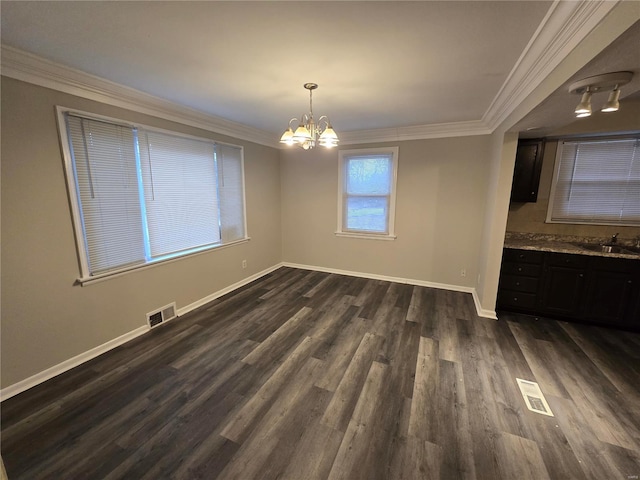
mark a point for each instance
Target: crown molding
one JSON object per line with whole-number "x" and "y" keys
{"x": 31, "y": 68}
{"x": 34, "y": 69}
{"x": 416, "y": 132}
{"x": 566, "y": 24}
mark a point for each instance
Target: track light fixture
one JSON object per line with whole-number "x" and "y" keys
{"x": 308, "y": 131}
{"x": 588, "y": 86}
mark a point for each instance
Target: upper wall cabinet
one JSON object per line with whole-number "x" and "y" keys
{"x": 526, "y": 176}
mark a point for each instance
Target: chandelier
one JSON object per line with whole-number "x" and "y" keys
{"x": 308, "y": 131}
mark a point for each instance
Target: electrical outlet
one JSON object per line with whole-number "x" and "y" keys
{"x": 244, "y": 264}
{"x": 463, "y": 272}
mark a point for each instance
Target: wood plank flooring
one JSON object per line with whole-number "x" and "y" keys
{"x": 307, "y": 375}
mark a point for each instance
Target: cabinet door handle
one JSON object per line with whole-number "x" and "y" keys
{"x": 581, "y": 275}
{"x": 521, "y": 255}
{"x": 519, "y": 269}
{"x": 518, "y": 283}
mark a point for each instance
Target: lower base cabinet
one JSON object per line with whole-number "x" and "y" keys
{"x": 594, "y": 289}
{"x": 613, "y": 294}
{"x": 563, "y": 284}
{"x": 563, "y": 291}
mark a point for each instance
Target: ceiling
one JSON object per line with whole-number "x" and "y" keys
{"x": 378, "y": 64}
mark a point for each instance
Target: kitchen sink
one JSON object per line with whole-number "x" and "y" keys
{"x": 609, "y": 248}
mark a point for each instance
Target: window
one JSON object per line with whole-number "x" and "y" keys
{"x": 596, "y": 181}
{"x": 367, "y": 191}
{"x": 141, "y": 195}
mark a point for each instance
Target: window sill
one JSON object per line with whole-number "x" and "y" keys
{"x": 366, "y": 236}
{"x": 570, "y": 221}
{"x": 117, "y": 273}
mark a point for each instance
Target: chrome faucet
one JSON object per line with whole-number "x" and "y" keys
{"x": 614, "y": 239}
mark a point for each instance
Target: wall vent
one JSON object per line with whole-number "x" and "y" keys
{"x": 164, "y": 314}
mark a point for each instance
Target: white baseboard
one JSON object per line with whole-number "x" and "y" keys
{"x": 481, "y": 311}
{"x": 421, "y": 283}
{"x": 56, "y": 370}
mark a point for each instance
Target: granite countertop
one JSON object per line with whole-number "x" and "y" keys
{"x": 562, "y": 244}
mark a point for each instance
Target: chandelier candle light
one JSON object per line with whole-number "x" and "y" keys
{"x": 308, "y": 131}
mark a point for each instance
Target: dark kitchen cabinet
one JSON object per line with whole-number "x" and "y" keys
{"x": 526, "y": 174}
{"x": 564, "y": 284}
{"x": 519, "y": 280}
{"x": 613, "y": 292}
{"x": 594, "y": 289}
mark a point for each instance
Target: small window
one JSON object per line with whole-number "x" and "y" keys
{"x": 596, "y": 181}
{"x": 367, "y": 191}
{"x": 141, "y": 195}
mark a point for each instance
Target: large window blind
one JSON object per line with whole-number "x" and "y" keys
{"x": 367, "y": 191}
{"x": 143, "y": 195}
{"x": 596, "y": 181}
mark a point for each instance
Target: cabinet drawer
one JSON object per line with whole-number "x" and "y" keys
{"x": 567, "y": 260}
{"x": 519, "y": 283}
{"x": 524, "y": 269}
{"x": 522, "y": 256}
{"x": 614, "y": 264}
{"x": 509, "y": 298}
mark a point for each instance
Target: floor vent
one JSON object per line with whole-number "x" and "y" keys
{"x": 164, "y": 314}
{"x": 533, "y": 397}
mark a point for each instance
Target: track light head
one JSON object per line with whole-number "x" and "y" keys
{"x": 613, "y": 103}
{"x": 583, "y": 109}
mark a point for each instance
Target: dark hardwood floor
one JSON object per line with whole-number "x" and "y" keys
{"x": 308, "y": 375}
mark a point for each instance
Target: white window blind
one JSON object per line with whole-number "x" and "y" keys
{"x": 231, "y": 188}
{"x": 107, "y": 185}
{"x": 180, "y": 192}
{"x": 367, "y": 193}
{"x": 141, "y": 195}
{"x": 596, "y": 182}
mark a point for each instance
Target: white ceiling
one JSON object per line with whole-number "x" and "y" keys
{"x": 378, "y": 64}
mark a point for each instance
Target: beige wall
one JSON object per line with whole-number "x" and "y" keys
{"x": 439, "y": 212}
{"x": 46, "y": 319}
{"x": 502, "y": 161}
{"x": 530, "y": 217}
